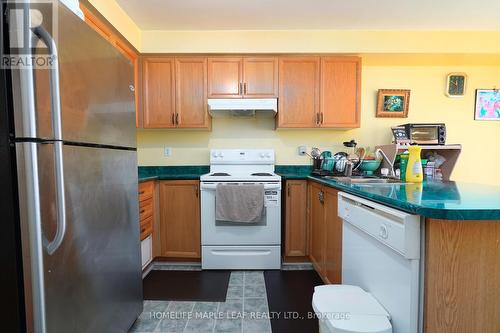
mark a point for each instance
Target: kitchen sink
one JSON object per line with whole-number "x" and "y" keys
{"x": 366, "y": 180}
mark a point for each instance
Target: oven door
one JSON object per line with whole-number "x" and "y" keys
{"x": 424, "y": 134}
{"x": 265, "y": 232}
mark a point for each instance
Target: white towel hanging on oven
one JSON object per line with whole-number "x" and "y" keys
{"x": 239, "y": 203}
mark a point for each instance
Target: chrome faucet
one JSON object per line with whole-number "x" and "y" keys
{"x": 379, "y": 152}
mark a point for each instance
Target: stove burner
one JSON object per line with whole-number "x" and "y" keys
{"x": 219, "y": 174}
{"x": 262, "y": 174}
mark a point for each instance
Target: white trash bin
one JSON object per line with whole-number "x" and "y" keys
{"x": 349, "y": 309}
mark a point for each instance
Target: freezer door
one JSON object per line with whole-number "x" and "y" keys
{"x": 92, "y": 282}
{"x": 95, "y": 89}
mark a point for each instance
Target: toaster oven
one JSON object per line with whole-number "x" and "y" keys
{"x": 426, "y": 134}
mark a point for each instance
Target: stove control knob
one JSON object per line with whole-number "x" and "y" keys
{"x": 262, "y": 155}
{"x": 220, "y": 154}
{"x": 268, "y": 155}
{"x": 214, "y": 154}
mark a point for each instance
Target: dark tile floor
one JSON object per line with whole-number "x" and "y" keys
{"x": 289, "y": 294}
{"x": 256, "y": 302}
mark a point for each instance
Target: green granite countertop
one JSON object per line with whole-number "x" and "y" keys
{"x": 293, "y": 171}
{"x": 441, "y": 200}
{"x": 190, "y": 172}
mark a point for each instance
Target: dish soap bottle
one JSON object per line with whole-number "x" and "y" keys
{"x": 414, "y": 172}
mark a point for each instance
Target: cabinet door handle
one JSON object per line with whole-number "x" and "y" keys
{"x": 196, "y": 190}
{"x": 288, "y": 190}
{"x": 177, "y": 119}
{"x": 245, "y": 88}
{"x": 317, "y": 118}
{"x": 173, "y": 119}
{"x": 321, "y": 196}
{"x": 321, "y": 118}
{"x": 240, "y": 88}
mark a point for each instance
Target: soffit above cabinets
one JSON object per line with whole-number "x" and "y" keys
{"x": 311, "y": 15}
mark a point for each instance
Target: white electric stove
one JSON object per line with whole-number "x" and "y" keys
{"x": 227, "y": 245}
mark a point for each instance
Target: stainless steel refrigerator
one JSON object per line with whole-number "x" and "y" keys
{"x": 73, "y": 168}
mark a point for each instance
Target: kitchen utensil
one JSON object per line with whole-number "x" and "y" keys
{"x": 315, "y": 152}
{"x": 369, "y": 166}
{"x": 340, "y": 163}
{"x": 326, "y": 154}
{"x": 328, "y": 164}
{"x": 361, "y": 152}
{"x": 317, "y": 162}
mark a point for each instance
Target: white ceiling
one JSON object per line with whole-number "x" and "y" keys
{"x": 313, "y": 14}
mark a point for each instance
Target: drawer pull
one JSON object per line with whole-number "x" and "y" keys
{"x": 142, "y": 211}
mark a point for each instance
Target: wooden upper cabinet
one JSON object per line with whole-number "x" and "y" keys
{"x": 180, "y": 219}
{"x": 340, "y": 92}
{"x": 260, "y": 77}
{"x": 191, "y": 92}
{"x": 296, "y": 218}
{"x": 159, "y": 92}
{"x": 242, "y": 77}
{"x": 298, "y": 92}
{"x": 225, "y": 76}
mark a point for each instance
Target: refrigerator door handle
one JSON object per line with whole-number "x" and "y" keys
{"x": 55, "y": 91}
{"x": 52, "y": 246}
{"x": 55, "y": 98}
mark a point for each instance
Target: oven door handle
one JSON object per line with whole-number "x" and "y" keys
{"x": 213, "y": 186}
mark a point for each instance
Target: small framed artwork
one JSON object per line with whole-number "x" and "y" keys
{"x": 487, "y": 104}
{"x": 393, "y": 103}
{"x": 455, "y": 84}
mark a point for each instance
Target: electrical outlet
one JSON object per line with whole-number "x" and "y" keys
{"x": 302, "y": 150}
{"x": 167, "y": 151}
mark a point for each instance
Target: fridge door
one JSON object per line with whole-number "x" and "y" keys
{"x": 92, "y": 282}
{"x": 95, "y": 89}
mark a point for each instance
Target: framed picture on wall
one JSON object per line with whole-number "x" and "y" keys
{"x": 393, "y": 103}
{"x": 487, "y": 104}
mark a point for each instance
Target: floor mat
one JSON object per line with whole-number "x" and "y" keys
{"x": 202, "y": 286}
{"x": 291, "y": 292}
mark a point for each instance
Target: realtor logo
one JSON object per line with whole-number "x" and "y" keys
{"x": 29, "y": 30}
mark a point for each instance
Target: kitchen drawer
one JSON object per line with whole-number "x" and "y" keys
{"x": 146, "y": 227}
{"x": 145, "y": 209}
{"x": 146, "y": 190}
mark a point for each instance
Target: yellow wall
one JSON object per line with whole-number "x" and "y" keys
{"x": 120, "y": 20}
{"x": 416, "y": 60}
{"x": 478, "y": 163}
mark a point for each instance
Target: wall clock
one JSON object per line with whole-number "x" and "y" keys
{"x": 455, "y": 84}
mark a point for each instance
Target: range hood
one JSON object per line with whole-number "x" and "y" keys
{"x": 242, "y": 107}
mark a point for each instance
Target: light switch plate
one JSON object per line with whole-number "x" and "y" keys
{"x": 167, "y": 151}
{"x": 302, "y": 150}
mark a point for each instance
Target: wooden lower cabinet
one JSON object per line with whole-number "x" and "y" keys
{"x": 333, "y": 231}
{"x": 326, "y": 232}
{"x": 296, "y": 232}
{"x": 462, "y": 276}
{"x": 180, "y": 219}
{"x": 317, "y": 227}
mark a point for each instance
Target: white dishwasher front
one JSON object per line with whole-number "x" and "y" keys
{"x": 381, "y": 254}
